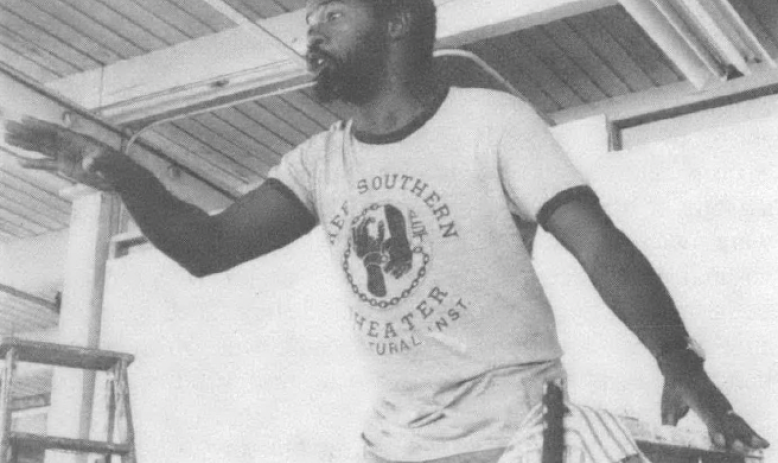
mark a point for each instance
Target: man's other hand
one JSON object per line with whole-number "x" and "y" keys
{"x": 693, "y": 389}
{"x": 66, "y": 152}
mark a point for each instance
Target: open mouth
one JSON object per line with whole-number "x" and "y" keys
{"x": 317, "y": 62}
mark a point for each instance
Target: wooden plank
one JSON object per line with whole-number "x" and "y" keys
{"x": 518, "y": 76}
{"x": 88, "y": 26}
{"x": 562, "y": 65}
{"x": 197, "y": 159}
{"x": 630, "y": 36}
{"x": 13, "y": 202}
{"x": 175, "y": 16}
{"x": 38, "y": 301}
{"x": 206, "y": 14}
{"x": 63, "y": 355}
{"x": 291, "y": 5}
{"x": 254, "y": 130}
{"x": 44, "y": 208}
{"x": 41, "y": 57}
{"x": 34, "y": 190}
{"x": 13, "y": 227}
{"x": 39, "y": 37}
{"x": 27, "y": 319}
{"x": 254, "y": 139}
{"x": 221, "y": 145}
{"x": 100, "y": 13}
{"x": 575, "y": 47}
{"x": 291, "y": 115}
{"x": 518, "y": 49}
{"x": 63, "y": 31}
{"x": 270, "y": 121}
{"x": 24, "y": 65}
{"x": 310, "y": 108}
{"x": 611, "y": 52}
{"x": 34, "y": 441}
{"x": 149, "y": 20}
{"x": 14, "y": 215}
{"x": 255, "y": 10}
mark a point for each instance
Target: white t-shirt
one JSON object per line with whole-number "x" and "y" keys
{"x": 444, "y": 299}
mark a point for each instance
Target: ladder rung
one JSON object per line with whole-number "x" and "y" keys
{"x": 36, "y": 441}
{"x": 62, "y": 355}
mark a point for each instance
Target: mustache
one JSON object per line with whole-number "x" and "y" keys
{"x": 315, "y": 52}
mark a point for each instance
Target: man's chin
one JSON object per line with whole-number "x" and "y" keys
{"x": 324, "y": 91}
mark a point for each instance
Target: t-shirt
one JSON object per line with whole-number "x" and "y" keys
{"x": 444, "y": 301}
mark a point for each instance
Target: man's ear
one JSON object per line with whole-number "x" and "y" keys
{"x": 399, "y": 25}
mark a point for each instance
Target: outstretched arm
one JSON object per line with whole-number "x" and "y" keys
{"x": 631, "y": 288}
{"x": 264, "y": 220}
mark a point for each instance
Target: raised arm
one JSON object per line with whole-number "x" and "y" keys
{"x": 631, "y": 288}
{"x": 263, "y": 220}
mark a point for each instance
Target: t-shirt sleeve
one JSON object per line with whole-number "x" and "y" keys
{"x": 533, "y": 166}
{"x": 297, "y": 172}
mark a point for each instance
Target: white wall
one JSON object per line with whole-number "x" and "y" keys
{"x": 35, "y": 265}
{"x": 255, "y": 364}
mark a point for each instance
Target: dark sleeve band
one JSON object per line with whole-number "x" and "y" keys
{"x": 578, "y": 193}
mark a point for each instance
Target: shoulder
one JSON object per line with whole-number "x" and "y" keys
{"x": 487, "y": 101}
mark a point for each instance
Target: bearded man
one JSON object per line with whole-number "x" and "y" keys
{"x": 417, "y": 194}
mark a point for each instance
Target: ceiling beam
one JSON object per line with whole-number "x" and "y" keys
{"x": 677, "y": 98}
{"x": 256, "y": 58}
{"x": 30, "y": 100}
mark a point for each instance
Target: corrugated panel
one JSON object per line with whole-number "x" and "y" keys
{"x": 579, "y": 60}
{"x": 49, "y": 39}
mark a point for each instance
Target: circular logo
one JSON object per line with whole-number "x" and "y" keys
{"x": 386, "y": 256}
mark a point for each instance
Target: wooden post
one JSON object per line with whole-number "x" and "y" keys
{"x": 5, "y": 404}
{"x": 70, "y": 414}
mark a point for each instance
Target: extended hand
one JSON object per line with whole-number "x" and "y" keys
{"x": 68, "y": 153}
{"x": 694, "y": 389}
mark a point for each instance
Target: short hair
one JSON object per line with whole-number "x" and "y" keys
{"x": 423, "y": 25}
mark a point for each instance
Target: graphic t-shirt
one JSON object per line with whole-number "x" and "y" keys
{"x": 444, "y": 301}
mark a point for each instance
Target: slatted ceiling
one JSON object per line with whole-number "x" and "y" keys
{"x": 611, "y": 52}
{"x": 260, "y": 150}
{"x": 761, "y": 16}
{"x": 586, "y": 59}
{"x": 261, "y": 9}
{"x": 291, "y": 115}
{"x": 205, "y": 14}
{"x": 99, "y": 32}
{"x": 202, "y": 164}
{"x": 261, "y": 116}
{"x": 173, "y": 15}
{"x": 29, "y": 32}
{"x": 61, "y": 31}
{"x": 156, "y": 23}
{"x": 274, "y": 136}
{"x": 25, "y": 66}
{"x": 245, "y": 163}
{"x": 638, "y": 45}
{"x": 305, "y": 104}
{"x": 46, "y": 207}
{"x": 204, "y": 159}
{"x": 18, "y": 315}
{"x": 28, "y": 217}
{"x": 540, "y": 43}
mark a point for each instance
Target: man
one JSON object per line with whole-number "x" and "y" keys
{"x": 416, "y": 195}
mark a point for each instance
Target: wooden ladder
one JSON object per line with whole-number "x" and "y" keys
{"x": 114, "y": 363}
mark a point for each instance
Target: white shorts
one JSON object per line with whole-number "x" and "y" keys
{"x": 590, "y": 436}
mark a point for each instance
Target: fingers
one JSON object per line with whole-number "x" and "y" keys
{"x": 33, "y": 135}
{"x": 736, "y": 435}
{"x": 674, "y": 408}
{"x": 39, "y": 164}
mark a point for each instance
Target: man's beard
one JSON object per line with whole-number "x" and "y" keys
{"x": 357, "y": 77}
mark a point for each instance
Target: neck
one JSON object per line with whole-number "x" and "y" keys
{"x": 398, "y": 103}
